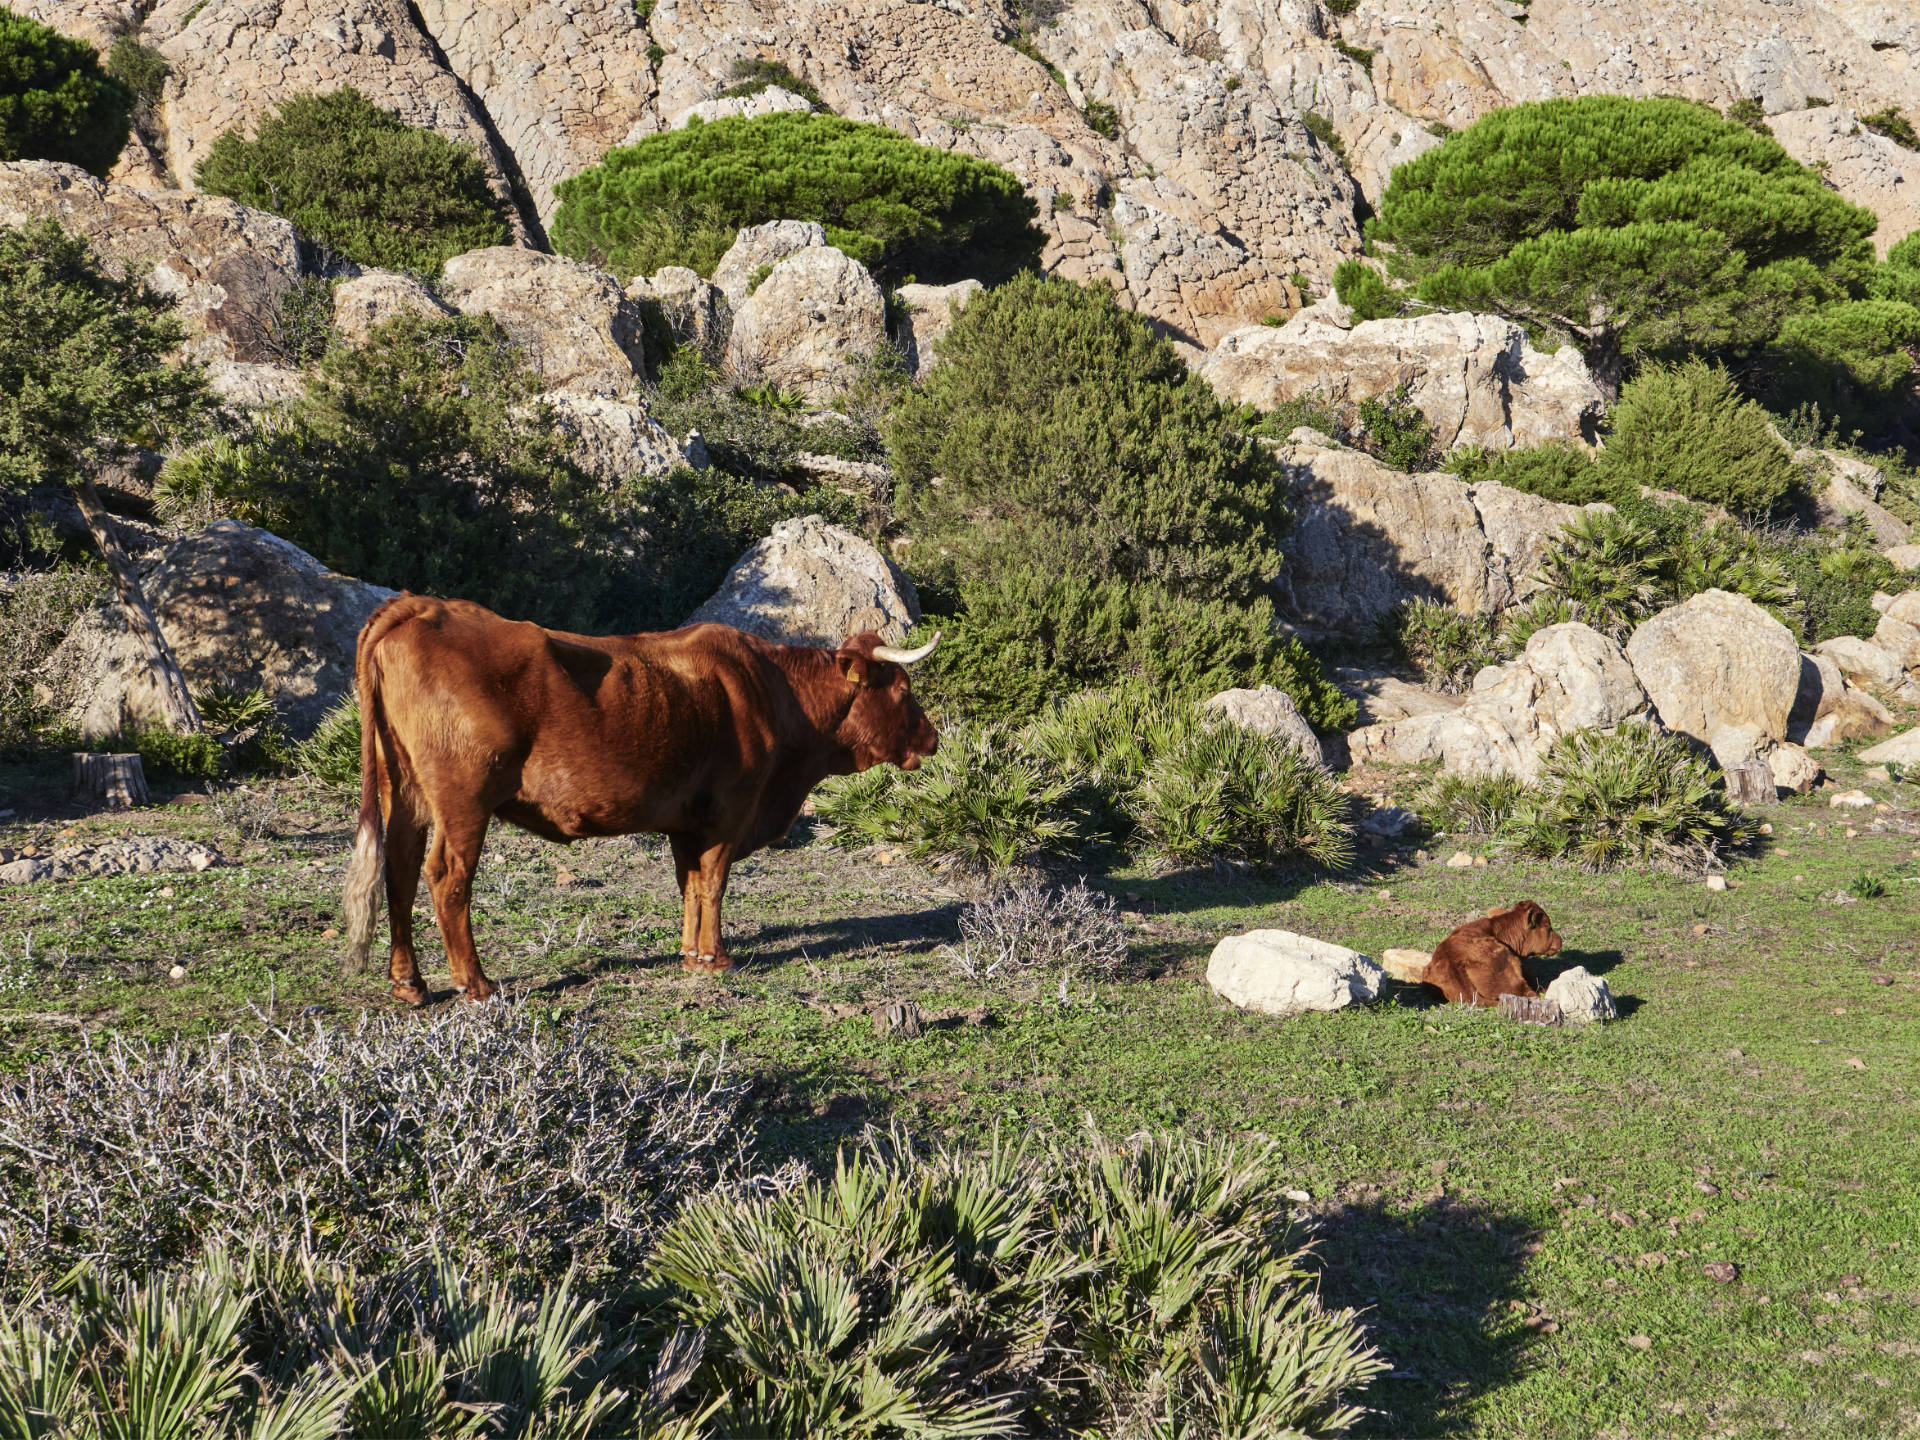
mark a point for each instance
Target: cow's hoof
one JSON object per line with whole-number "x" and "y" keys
{"x": 481, "y": 993}
{"x": 414, "y": 995}
{"x": 705, "y": 964}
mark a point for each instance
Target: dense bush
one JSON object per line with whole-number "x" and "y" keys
{"x": 1854, "y": 359}
{"x": 84, "y": 372}
{"x": 1685, "y": 428}
{"x": 895, "y": 205}
{"x": 1395, "y": 431}
{"x": 1099, "y": 513}
{"x": 1471, "y": 804}
{"x": 143, "y": 70}
{"x": 1562, "y": 470}
{"x": 1636, "y": 797}
{"x": 1637, "y": 229}
{"x": 1363, "y": 289}
{"x": 517, "y": 1147}
{"x": 360, "y": 182}
{"x": 1129, "y": 767}
{"x": 1013, "y": 1292}
{"x": 1446, "y": 648}
{"x": 1071, "y": 1291}
{"x": 56, "y": 101}
{"x": 750, "y": 77}
{"x": 331, "y": 754}
{"x": 37, "y": 609}
{"x": 423, "y": 461}
{"x": 1040, "y": 934}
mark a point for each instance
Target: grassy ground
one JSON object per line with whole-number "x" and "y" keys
{"x": 1523, "y": 1214}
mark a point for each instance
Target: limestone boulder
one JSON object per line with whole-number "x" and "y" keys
{"x": 1718, "y": 661}
{"x": 1903, "y": 557}
{"x": 1859, "y": 660}
{"x": 1570, "y": 677}
{"x": 811, "y": 583}
{"x": 240, "y": 608}
{"x": 1368, "y": 538}
{"x": 375, "y": 296}
{"x": 757, "y": 249}
{"x": 1822, "y": 687}
{"x": 1269, "y": 710}
{"x": 1900, "y": 639}
{"x": 1583, "y": 998}
{"x": 613, "y": 439}
{"x": 1277, "y": 972}
{"x": 1902, "y": 749}
{"x": 1845, "y": 497}
{"x": 771, "y": 101}
{"x": 1475, "y": 377}
{"x": 930, "y": 312}
{"x": 1407, "y": 966}
{"x": 812, "y": 322}
{"x": 1384, "y": 698}
{"x": 578, "y": 328}
{"x": 254, "y": 387}
{"x": 1795, "y": 772}
{"x": 1856, "y": 715}
{"x": 224, "y": 266}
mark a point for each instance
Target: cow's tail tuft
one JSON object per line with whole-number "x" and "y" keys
{"x": 366, "y": 872}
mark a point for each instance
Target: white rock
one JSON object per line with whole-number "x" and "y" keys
{"x": 1902, "y": 749}
{"x": 812, "y": 322}
{"x": 1793, "y": 768}
{"x": 696, "y": 310}
{"x": 1475, "y": 377}
{"x": 1269, "y": 710}
{"x": 759, "y": 248}
{"x": 375, "y": 296}
{"x": 930, "y": 313}
{"x": 1277, "y": 972}
{"x": 811, "y": 583}
{"x": 254, "y": 387}
{"x": 1822, "y": 690}
{"x": 1583, "y": 998}
{"x": 1854, "y": 799}
{"x": 1716, "y": 882}
{"x": 1718, "y": 660}
{"x": 1856, "y": 716}
{"x": 1460, "y": 860}
{"x": 612, "y": 439}
{"x": 1904, "y": 557}
{"x": 576, "y": 325}
{"x": 1860, "y": 659}
{"x": 1900, "y": 638}
{"x": 771, "y": 101}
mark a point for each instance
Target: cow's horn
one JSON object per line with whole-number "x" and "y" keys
{"x": 906, "y": 657}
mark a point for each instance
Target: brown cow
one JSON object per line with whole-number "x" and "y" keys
{"x": 1480, "y": 961}
{"x": 709, "y": 735}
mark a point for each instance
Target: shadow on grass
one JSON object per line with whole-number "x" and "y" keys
{"x": 1434, "y": 1285}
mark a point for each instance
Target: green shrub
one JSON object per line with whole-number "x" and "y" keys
{"x": 978, "y": 806}
{"x": 1853, "y": 359}
{"x": 1395, "y": 431}
{"x": 166, "y": 754}
{"x": 1102, "y": 118}
{"x": 1751, "y": 113}
{"x": 143, "y": 70}
{"x": 1637, "y": 229}
{"x": 56, "y": 102}
{"x": 1833, "y": 581}
{"x": 1562, "y": 470}
{"x": 1312, "y": 409}
{"x": 1364, "y": 290}
{"x": 331, "y": 754}
{"x": 753, "y": 76}
{"x": 37, "y": 609}
{"x": 1100, "y": 514}
{"x": 1894, "y": 125}
{"x": 1636, "y": 797}
{"x": 423, "y": 461}
{"x": 1471, "y": 804}
{"x": 893, "y": 204}
{"x": 1321, "y": 128}
{"x": 1447, "y": 648}
{"x": 1011, "y": 1292}
{"x": 1685, "y": 428}
{"x": 360, "y": 182}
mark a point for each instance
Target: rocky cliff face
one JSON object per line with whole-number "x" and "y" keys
{"x": 1206, "y": 198}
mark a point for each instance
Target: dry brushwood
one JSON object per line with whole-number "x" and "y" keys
{"x": 1033, "y": 929}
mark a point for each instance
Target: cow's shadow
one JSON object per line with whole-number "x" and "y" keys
{"x": 1437, "y": 1287}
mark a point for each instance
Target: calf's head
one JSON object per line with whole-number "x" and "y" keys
{"x": 1526, "y": 929}
{"x": 885, "y": 724}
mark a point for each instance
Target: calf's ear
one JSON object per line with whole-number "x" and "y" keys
{"x": 853, "y": 665}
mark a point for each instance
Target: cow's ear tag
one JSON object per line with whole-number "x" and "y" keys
{"x": 854, "y": 667}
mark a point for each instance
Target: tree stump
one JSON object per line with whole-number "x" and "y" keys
{"x": 1531, "y": 1009}
{"x": 116, "y": 780}
{"x": 1751, "y": 783}
{"x": 900, "y": 1018}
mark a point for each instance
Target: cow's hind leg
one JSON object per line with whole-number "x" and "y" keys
{"x": 406, "y": 850}
{"x": 457, "y": 839}
{"x": 686, "y": 871}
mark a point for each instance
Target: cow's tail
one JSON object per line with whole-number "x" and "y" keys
{"x": 367, "y": 871}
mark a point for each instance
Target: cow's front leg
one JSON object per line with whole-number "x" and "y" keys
{"x": 705, "y": 887}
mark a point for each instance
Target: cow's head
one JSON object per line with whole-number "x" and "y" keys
{"x": 1526, "y": 929}
{"x": 885, "y": 724}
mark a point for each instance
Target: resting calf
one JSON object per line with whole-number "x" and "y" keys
{"x": 1480, "y": 961}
